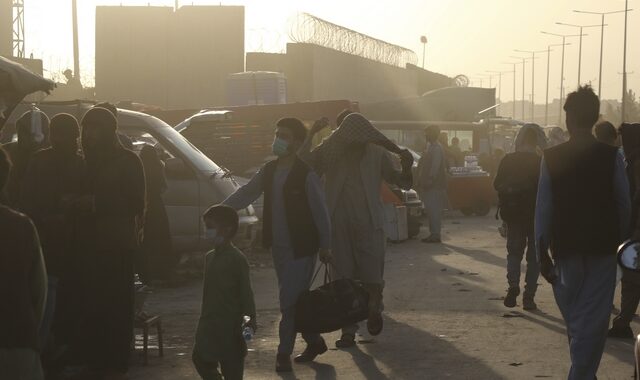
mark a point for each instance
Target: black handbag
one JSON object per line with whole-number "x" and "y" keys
{"x": 332, "y": 306}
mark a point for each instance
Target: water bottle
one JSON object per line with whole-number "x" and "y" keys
{"x": 247, "y": 331}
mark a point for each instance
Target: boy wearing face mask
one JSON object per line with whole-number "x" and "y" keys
{"x": 296, "y": 227}
{"x": 227, "y": 297}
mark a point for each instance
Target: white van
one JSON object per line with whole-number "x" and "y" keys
{"x": 194, "y": 181}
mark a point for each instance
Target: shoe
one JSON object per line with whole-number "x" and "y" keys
{"x": 619, "y": 332}
{"x": 511, "y": 298}
{"x": 283, "y": 363}
{"x": 528, "y": 303}
{"x": 311, "y": 352}
{"x": 432, "y": 239}
{"x": 346, "y": 341}
{"x": 375, "y": 323}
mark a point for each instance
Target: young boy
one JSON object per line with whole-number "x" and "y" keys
{"x": 227, "y": 298}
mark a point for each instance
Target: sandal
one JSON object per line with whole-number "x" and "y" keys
{"x": 346, "y": 341}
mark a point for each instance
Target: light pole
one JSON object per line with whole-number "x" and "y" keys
{"x": 546, "y": 99}
{"x": 564, "y": 37}
{"x": 514, "y": 87}
{"x": 423, "y": 39}
{"x": 499, "y": 82}
{"x": 533, "y": 77}
{"x": 523, "y": 84}
{"x": 624, "y": 64}
{"x": 580, "y": 27}
{"x": 602, "y": 14}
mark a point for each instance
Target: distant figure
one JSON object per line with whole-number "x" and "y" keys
{"x": 53, "y": 182}
{"x": 606, "y": 133}
{"x": 116, "y": 198}
{"x": 157, "y": 250}
{"x": 295, "y": 226}
{"x": 33, "y": 135}
{"x": 456, "y": 152}
{"x": 355, "y": 161}
{"x": 630, "y": 284}
{"x": 517, "y": 185}
{"x": 227, "y": 298}
{"x": 582, "y": 215}
{"x": 23, "y": 289}
{"x": 432, "y": 183}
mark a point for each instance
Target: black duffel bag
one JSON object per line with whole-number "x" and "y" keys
{"x": 332, "y": 306}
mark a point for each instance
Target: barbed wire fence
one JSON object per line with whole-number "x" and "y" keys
{"x": 306, "y": 28}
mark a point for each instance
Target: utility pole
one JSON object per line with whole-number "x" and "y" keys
{"x": 76, "y": 52}
{"x": 514, "y": 87}
{"x": 499, "y": 82}
{"x": 602, "y": 25}
{"x": 546, "y": 102}
{"x": 580, "y": 27}
{"x": 624, "y": 64}
{"x": 564, "y": 38}
{"x": 533, "y": 77}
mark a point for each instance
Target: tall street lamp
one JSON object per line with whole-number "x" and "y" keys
{"x": 514, "y": 87}
{"x": 564, "y": 38}
{"x": 523, "y": 84}
{"x": 533, "y": 77}
{"x": 602, "y": 25}
{"x": 499, "y": 81}
{"x": 546, "y": 99}
{"x": 580, "y": 27}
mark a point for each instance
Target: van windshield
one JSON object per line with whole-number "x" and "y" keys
{"x": 173, "y": 140}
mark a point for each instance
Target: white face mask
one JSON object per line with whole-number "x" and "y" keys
{"x": 211, "y": 234}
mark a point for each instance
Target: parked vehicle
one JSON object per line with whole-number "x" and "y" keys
{"x": 194, "y": 182}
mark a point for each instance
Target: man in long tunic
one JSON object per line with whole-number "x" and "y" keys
{"x": 116, "y": 197}
{"x": 33, "y": 134}
{"x": 355, "y": 161}
{"x": 296, "y": 227}
{"x": 59, "y": 170}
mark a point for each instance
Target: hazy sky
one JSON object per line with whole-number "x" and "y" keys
{"x": 465, "y": 36}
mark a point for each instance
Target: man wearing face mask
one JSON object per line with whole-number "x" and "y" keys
{"x": 33, "y": 134}
{"x": 60, "y": 170}
{"x": 116, "y": 197}
{"x": 296, "y": 227}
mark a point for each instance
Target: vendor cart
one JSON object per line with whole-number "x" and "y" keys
{"x": 470, "y": 190}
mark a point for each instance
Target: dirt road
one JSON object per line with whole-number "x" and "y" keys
{"x": 444, "y": 319}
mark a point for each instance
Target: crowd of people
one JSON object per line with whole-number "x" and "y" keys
{"x": 76, "y": 226}
{"x": 567, "y": 208}
{"x": 72, "y": 227}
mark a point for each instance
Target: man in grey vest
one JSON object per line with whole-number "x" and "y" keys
{"x": 582, "y": 215}
{"x": 296, "y": 227}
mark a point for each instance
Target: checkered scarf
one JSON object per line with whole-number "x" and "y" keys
{"x": 355, "y": 129}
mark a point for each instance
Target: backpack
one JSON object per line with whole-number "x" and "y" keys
{"x": 517, "y": 189}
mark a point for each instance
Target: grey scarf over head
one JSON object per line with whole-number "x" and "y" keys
{"x": 355, "y": 129}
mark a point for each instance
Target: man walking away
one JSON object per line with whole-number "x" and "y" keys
{"x": 582, "y": 215}
{"x": 432, "y": 183}
{"x": 517, "y": 184}
{"x": 295, "y": 226}
{"x": 227, "y": 298}
{"x": 23, "y": 289}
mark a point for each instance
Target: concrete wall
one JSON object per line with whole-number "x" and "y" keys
{"x": 207, "y": 45}
{"x": 317, "y": 73}
{"x": 6, "y": 28}
{"x": 171, "y": 59}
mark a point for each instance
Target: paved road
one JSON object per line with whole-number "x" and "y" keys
{"x": 444, "y": 319}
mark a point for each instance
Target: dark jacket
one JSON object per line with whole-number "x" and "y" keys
{"x": 302, "y": 227}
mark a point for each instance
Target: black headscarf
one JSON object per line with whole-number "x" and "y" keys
{"x": 99, "y": 139}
